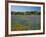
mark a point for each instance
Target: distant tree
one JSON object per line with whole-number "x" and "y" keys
{"x": 32, "y": 13}
{"x": 26, "y": 13}
{"x": 39, "y": 13}
{"x": 12, "y": 13}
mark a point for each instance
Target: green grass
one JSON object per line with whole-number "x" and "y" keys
{"x": 15, "y": 26}
{"x": 18, "y": 27}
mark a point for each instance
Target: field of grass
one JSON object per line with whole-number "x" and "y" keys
{"x": 20, "y": 23}
{"x": 25, "y": 22}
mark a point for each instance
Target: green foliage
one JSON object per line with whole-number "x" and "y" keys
{"x": 26, "y": 13}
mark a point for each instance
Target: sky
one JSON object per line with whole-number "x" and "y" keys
{"x": 25, "y": 8}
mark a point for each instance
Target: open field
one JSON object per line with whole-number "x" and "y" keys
{"x": 25, "y": 22}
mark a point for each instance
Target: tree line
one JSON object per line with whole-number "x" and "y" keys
{"x": 26, "y": 13}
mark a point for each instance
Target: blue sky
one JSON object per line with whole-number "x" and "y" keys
{"x": 25, "y": 8}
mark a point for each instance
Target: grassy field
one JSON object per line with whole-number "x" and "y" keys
{"x": 25, "y": 22}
